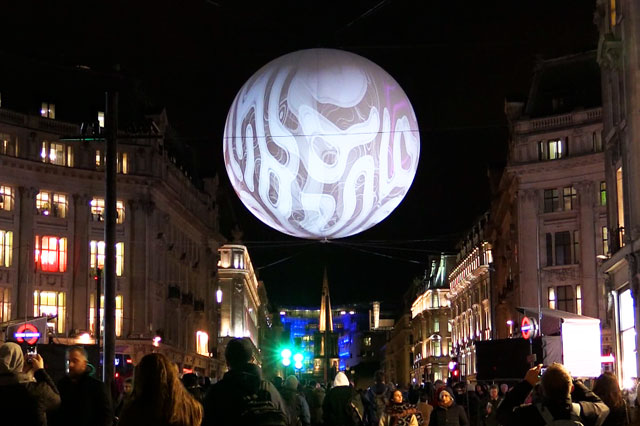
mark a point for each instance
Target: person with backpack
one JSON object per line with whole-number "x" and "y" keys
{"x": 342, "y": 406}
{"x": 376, "y": 399}
{"x": 242, "y": 397}
{"x": 564, "y": 401}
{"x": 296, "y": 405}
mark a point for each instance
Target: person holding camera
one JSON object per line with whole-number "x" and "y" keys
{"x": 564, "y": 401}
{"x": 27, "y": 392}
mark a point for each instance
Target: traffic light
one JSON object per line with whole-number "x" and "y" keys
{"x": 286, "y": 357}
{"x": 298, "y": 358}
{"x": 454, "y": 368}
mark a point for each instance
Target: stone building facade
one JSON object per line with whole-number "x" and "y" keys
{"x": 52, "y": 190}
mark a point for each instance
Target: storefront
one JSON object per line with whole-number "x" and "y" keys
{"x": 625, "y": 329}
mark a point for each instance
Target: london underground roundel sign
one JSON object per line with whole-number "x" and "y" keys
{"x": 526, "y": 327}
{"x": 27, "y": 333}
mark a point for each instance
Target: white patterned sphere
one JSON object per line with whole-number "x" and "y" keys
{"x": 321, "y": 143}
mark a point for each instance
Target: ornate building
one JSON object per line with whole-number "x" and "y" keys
{"x": 52, "y": 190}
{"x": 471, "y": 298}
{"x": 430, "y": 321}
{"x": 619, "y": 58}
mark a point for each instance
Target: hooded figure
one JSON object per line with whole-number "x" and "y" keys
{"x": 297, "y": 407}
{"x": 342, "y": 406}
{"x": 446, "y": 411}
{"x": 26, "y": 390}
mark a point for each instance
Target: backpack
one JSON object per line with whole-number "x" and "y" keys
{"x": 355, "y": 410}
{"x": 259, "y": 410}
{"x": 550, "y": 421}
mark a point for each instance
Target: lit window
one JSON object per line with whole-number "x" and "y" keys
{"x": 603, "y": 193}
{"x": 55, "y": 153}
{"x": 6, "y": 198}
{"x": 51, "y": 204}
{"x": 6, "y": 248}
{"x": 92, "y": 314}
{"x": 551, "y": 294}
{"x": 99, "y": 160}
{"x": 565, "y": 298}
{"x": 579, "y": 299}
{"x": 605, "y": 240}
{"x": 51, "y": 254}
{"x": 8, "y": 144}
{"x": 437, "y": 348}
{"x": 101, "y": 119}
{"x": 367, "y": 341}
{"x": 48, "y": 110}
{"x": 97, "y": 210}
{"x": 202, "y": 343}
{"x": 436, "y": 325}
{"x": 620, "y": 200}
{"x": 50, "y": 304}
{"x": 569, "y": 196}
{"x": 552, "y": 150}
{"x": 122, "y": 165}
{"x": 97, "y": 256}
{"x": 5, "y": 304}
{"x": 612, "y": 13}
{"x": 551, "y": 200}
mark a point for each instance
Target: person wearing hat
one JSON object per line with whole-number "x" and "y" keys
{"x": 447, "y": 412}
{"x": 296, "y": 405}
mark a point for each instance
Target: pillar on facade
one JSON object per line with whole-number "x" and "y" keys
{"x": 23, "y": 297}
{"x": 81, "y": 277}
{"x": 138, "y": 216}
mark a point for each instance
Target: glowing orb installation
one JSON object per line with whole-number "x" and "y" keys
{"x": 321, "y": 143}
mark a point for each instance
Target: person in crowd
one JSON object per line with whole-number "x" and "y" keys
{"x": 490, "y": 416}
{"x": 447, "y": 412}
{"x": 426, "y": 395}
{"x": 159, "y": 398}
{"x": 413, "y": 395}
{"x": 315, "y": 395}
{"x": 606, "y": 387}
{"x": 190, "y": 382}
{"x": 205, "y": 382}
{"x": 504, "y": 388}
{"x": 277, "y": 382}
{"x": 399, "y": 413}
{"x": 377, "y": 398}
{"x": 226, "y": 402}
{"x": 27, "y": 392}
{"x": 563, "y": 399}
{"x": 342, "y": 406}
{"x": 125, "y": 397}
{"x": 85, "y": 399}
{"x": 296, "y": 405}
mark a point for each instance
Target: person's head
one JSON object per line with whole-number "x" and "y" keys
{"x": 127, "y": 387}
{"x": 438, "y": 384}
{"x": 444, "y": 397}
{"x": 277, "y": 382}
{"x": 396, "y": 397}
{"x": 11, "y": 358}
{"x": 190, "y": 380}
{"x": 556, "y": 382}
{"x": 607, "y": 388}
{"x": 504, "y": 388}
{"x": 157, "y": 388}
{"x": 379, "y": 376}
{"x": 78, "y": 360}
{"x": 341, "y": 379}
{"x": 238, "y": 353}
{"x": 493, "y": 391}
{"x": 291, "y": 383}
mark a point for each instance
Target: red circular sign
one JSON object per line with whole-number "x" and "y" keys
{"x": 27, "y": 333}
{"x": 526, "y": 327}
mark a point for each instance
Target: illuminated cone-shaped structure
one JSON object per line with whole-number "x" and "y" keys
{"x": 326, "y": 341}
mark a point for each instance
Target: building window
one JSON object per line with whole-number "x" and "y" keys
{"x": 579, "y": 299}
{"x": 97, "y": 210}
{"x": 551, "y": 296}
{"x": 597, "y": 141}
{"x": 605, "y": 240}
{"x": 92, "y": 314}
{"x": 6, "y": 198}
{"x": 627, "y": 327}
{"x": 5, "y": 304}
{"x": 51, "y": 204}
{"x": 553, "y": 149}
{"x": 101, "y": 119}
{"x": 620, "y": 199}
{"x": 563, "y": 248}
{"x": 202, "y": 343}
{"x": 565, "y": 298}
{"x": 436, "y": 347}
{"x": 367, "y": 341}
{"x": 603, "y": 193}
{"x": 48, "y": 110}
{"x": 551, "y": 200}
{"x": 97, "y": 255}
{"x": 51, "y": 253}
{"x": 576, "y": 247}
{"x": 122, "y": 165}
{"x": 612, "y": 13}
{"x": 56, "y": 153}
{"x": 6, "y": 248}
{"x": 436, "y": 325}
{"x": 569, "y": 196}
{"x": 50, "y": 304}
{"x": 8, "y": 144}
{"x": 98, "y": 158}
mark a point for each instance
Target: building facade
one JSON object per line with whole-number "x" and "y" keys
{"x": 619, "y": 59}
{"x": 52, "y": 189}
{"x": 549, "y": 227}
{"x": 470, "y": 297}
{"x": 431, "y": 325}
{"x": 398, "y": 352}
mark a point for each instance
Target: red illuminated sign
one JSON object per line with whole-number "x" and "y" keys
{"x": 526, "y": 327}
{"x": 27, "y": 333}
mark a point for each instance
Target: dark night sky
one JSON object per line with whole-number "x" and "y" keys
{"x": 457, "y": 61}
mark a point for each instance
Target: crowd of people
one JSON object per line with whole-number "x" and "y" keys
{"x": 157, "y": 395}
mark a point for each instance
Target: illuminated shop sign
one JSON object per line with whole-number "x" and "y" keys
{"x": 27, "y": 333}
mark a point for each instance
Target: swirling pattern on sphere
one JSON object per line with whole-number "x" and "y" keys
{"x": 321, "y": 143}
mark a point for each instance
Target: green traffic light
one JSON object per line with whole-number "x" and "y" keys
{"x": 286, "y": 354}
{"x": 298, "y": 358}
{"x": 286, "y": 362}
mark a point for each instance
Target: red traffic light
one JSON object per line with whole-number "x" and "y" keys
{"x": 455, "y": 373}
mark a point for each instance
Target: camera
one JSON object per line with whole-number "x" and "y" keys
{"x": 542, "y": 370}
{"x": 32, "y": 350}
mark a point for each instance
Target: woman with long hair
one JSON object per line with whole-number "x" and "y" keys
{"x": 607, "y": 388}
{"x": 159, "y": 398}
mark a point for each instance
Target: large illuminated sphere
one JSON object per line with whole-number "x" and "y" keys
{"x": 321, "y": 143}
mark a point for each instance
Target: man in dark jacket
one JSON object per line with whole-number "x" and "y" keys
{"x": 85, "y": 400}
{"x": 376, "y": 399}
{"x": 224, "y": 403}
{"x": 447, "y": 412}
{"x": 342, "y": 406}
{"x": 563, "y": 399}
{"x": 26, "y": 390}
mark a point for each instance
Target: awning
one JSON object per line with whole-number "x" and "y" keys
{"x": 555, "y": 313}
